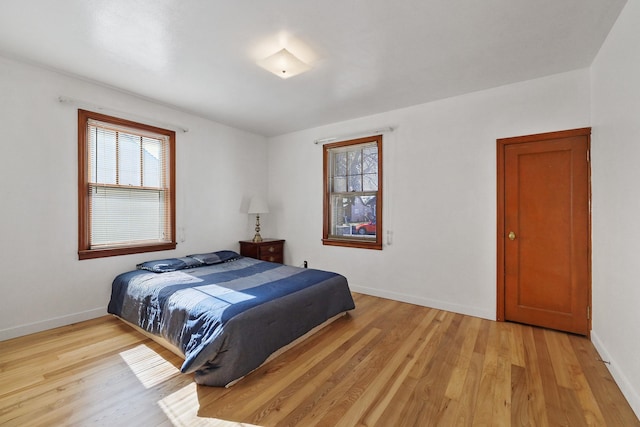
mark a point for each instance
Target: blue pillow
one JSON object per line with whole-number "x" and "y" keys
{"x": 215, "y": 257}
{"x": 169, "y": 264}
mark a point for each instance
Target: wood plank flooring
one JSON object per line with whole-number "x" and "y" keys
{"x": 385, "y": 364}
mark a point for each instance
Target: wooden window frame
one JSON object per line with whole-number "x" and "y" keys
{"x": 84, "y": 220}
{"x": 352, "y": 241}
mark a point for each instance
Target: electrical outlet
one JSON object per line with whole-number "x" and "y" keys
{"x": 306, "y": 264}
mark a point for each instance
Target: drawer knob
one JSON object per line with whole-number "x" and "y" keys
{"x": 272, "y": 249}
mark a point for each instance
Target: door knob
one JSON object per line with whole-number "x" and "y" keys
{"x": 512, "y": 235}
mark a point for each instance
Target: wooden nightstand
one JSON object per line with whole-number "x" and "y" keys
{"x": 271, "y": 250}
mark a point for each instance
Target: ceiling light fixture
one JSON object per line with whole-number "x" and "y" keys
{"x": 284, "y": 64}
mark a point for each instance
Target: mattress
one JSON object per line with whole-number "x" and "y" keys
{"x": 228, "y": 316}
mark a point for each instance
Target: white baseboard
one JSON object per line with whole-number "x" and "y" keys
{"x": 30, "y": 328}
{"x": 628, "y": 390}
{"x": 425, "y": 302}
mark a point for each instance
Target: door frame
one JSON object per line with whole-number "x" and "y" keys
{"x": 501, "y": 145}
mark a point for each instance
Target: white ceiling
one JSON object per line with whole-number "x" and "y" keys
{"x": 368, "y": 56}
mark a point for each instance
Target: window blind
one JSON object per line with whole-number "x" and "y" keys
{"x": 128, "y": 187}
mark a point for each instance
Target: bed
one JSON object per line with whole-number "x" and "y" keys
{"x": 225, "y": 314}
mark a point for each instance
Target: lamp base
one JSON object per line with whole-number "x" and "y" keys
{"x": 257, "y": 238}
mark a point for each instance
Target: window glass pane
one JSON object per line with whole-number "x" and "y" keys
{"x": 152, "y": 162}
{"x": 102, "y": 153}
{"x": 340, "y": 164}
{"x": 370, "y": 160}
{"x": 370, "y": 182}
{"x": 355, "y": 183}
{"x": 339, "y": 184}
{"x": 354, "y": 162}
{"x": 339, "y": 216}
{"x": 353, "y": 216}
{"x": 129, "y": 159}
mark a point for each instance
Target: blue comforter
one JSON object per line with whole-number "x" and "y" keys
{"x": 227, "y": 318}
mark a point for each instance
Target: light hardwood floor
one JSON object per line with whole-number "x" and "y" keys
{"x": 385, "y": 364}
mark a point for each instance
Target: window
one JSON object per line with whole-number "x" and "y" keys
{"x": 353, "y": 193}
{"x": 126, "y": 187}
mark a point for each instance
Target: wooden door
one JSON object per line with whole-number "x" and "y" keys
{"x": 544, "y": 269}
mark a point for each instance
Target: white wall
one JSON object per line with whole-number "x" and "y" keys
{"x": 43, "y": 284}
{"x": 616, "y": 202}
{"x": 439, "y": 191}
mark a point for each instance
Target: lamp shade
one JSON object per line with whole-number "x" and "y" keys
{"x": 258, "y": 205}
{"x": 284, "y": 64}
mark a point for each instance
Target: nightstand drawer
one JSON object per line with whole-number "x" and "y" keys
{"x": 272, "y": 258}
{"x": 271, "y": 250}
